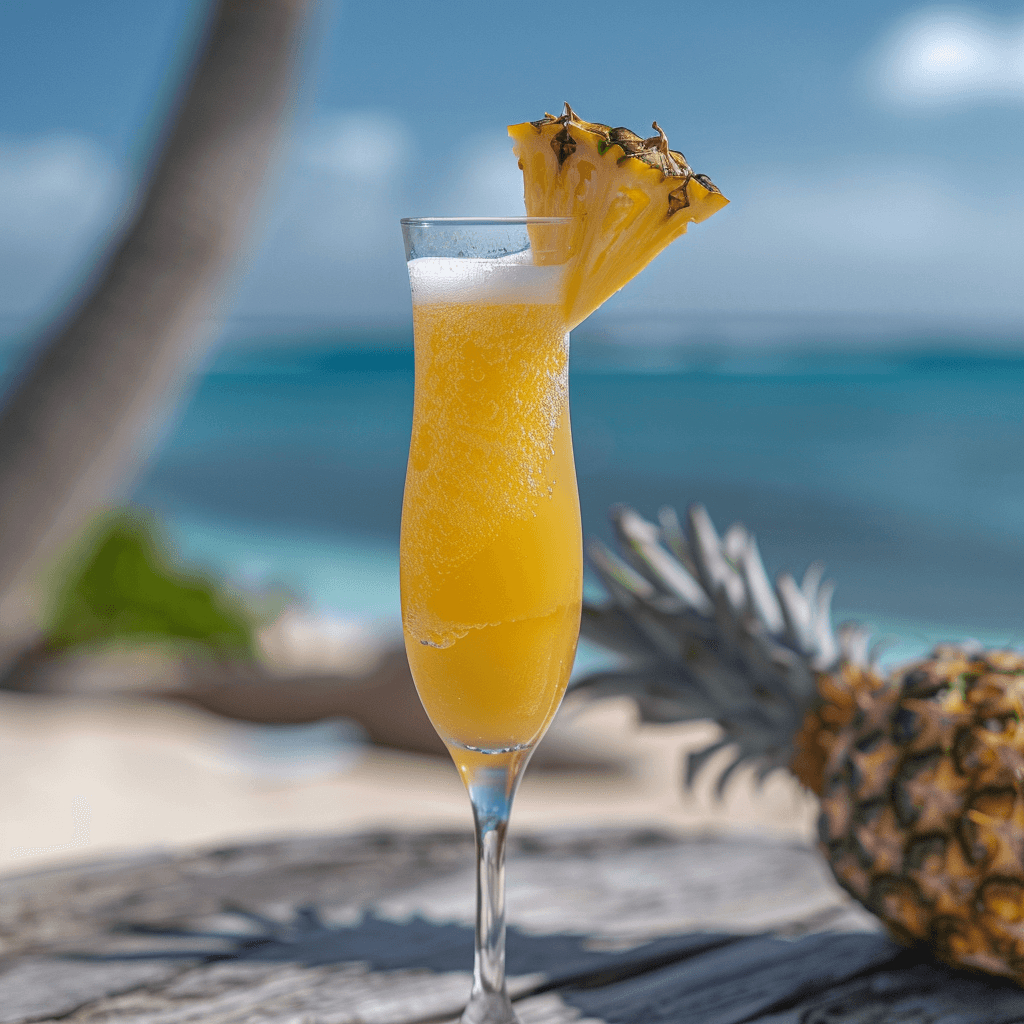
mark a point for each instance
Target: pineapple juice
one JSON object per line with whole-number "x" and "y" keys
{"x": 491, "y": 541}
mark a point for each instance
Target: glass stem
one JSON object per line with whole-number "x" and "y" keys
{"x": 492, "y": 780}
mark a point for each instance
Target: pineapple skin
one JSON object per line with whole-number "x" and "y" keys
{"x": 922, "y": 804}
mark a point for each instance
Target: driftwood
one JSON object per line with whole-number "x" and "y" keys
{"x": 376, "y": 691}
{"x": 70, "y": 433}
{"x": 383, "y": 700}
{"x": 607, "y": 927}
{"x": 381, "y": 697}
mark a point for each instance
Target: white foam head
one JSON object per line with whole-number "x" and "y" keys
{"x": 511, "y": 279}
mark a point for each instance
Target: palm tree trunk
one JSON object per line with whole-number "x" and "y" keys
{"x": 70, "y": 435}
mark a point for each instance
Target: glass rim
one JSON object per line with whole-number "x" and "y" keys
{"x": 482, "y": 221}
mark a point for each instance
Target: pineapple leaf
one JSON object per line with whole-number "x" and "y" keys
{"x": 702, "y": 634}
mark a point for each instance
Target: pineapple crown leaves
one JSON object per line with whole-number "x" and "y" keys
{"x": 702, "y": 634}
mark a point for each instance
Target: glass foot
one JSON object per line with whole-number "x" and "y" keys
{"x": 489, "y": 1008}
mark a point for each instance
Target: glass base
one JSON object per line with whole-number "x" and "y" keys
{"x": 489, "y": 1008}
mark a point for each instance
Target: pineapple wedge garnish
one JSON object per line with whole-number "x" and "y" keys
{"x": 629, "y": 197}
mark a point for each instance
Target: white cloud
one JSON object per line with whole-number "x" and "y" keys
{"x": 902, "y": 213}
{"x": 487, "y": 182}
{"x": 59, "y": 198}
{"x": 345, "y": 183}
{"x": 946, "y": 56}
{"x": 908, "y": 240}
{"x": 332, "y": 246}
{"x": 357, "y": 145}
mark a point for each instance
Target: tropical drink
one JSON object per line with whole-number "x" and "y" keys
{"x": 491, "y": 555}
{"x": 491, "y": 545}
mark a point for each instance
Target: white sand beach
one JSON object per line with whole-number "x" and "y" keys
{"x": 86, "y": 777}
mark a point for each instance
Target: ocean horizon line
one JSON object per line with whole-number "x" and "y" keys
{"x": 765, "y": 330}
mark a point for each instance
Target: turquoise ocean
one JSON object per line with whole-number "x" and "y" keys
{"x": 902, "y": 470}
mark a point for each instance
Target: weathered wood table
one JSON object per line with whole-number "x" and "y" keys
{"x": 612, "y": 927}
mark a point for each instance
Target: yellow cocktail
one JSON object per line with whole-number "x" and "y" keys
{"x": 491, "y": 544}
{"x": 492, "y": 561}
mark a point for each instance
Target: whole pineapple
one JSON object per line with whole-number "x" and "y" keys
{"x": 919, "y": 772}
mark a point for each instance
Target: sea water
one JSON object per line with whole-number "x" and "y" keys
{"x": 903, "y": 471}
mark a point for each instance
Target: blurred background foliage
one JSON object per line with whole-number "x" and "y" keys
{"x": 127, "y": 585}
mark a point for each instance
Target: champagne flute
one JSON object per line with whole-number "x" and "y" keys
{"x": 491, "y": 550}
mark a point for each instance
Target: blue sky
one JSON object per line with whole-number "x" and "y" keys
{"x": 873, "y": 151}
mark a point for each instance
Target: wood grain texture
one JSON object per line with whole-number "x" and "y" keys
{"x": 608, "y": 928}
{"x": 820, "y": 979}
